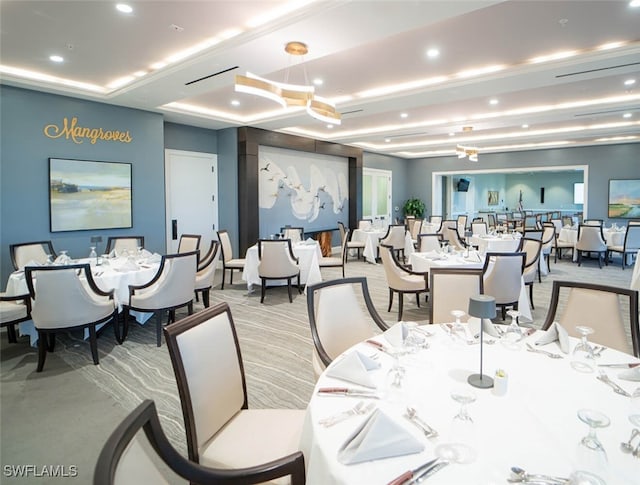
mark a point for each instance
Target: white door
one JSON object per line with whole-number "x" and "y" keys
{"x": 191, "y": 181}
{"x": 376, "y": 194}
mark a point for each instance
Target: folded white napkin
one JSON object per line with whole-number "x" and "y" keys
{"x": 487, "y": 326}
{"x": 378, "y": 437}
{"x": 397, "y": 334}
{"x": 310, "y": 241}
{"x": 113, "y": 253}
{"x": 154, "y": 258}
{"x": 145, "y": 254}
{"x": 31, "y": 262}
{"x": 630, "y": 374}
{"x": 555, "y": 333}
{"x": 432, "y": 255}
{"x": 128, "y": 265}
{"x": 354, "y": 367}
{"x": 364, "y": 225}
{"x": 567, "y": 226}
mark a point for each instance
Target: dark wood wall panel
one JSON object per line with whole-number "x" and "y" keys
{"x": 249, "y": 139}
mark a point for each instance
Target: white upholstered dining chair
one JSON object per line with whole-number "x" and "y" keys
{"x": 31, "y": 252}
{"x": 122, "y": 243}
{"x": 428, "y": 242}
{"x": 206, "y": 272}
{"x": 189, "y": 243}
{"x": 591, "y": 240}
{"x": 277, "y": 262}
{"x": 630, "y": 246}
{"x": 532, "y": 248}
{"x": 395, "y": 238}
{"x": 222, "y": 432}
{"x": 357, "y": 245}
{"x": 502, "y": 278}
{"x": 228, "y": 261}
{"x": 293, "y": 233}
{"x": 450, "y": 289}
{"x": 340, "y": 260}
{"x": 13, "y": 310}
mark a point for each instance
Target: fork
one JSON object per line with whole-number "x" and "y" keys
{"x": 358, "y": 409}
{"x": 616, "y": 388}
{"x": 530, "y": 348}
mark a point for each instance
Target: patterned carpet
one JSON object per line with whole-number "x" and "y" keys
{"x": 275, "y": 342}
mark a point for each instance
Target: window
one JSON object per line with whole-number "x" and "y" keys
{"x": 578, "y": 193}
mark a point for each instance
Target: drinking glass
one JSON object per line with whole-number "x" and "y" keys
{"x": 64, "y": 258}
{"x": 139, "y": 251}
{"x": 457, "y": 326}
{"x": 591, "y": 455}
{"x": 583, "y": 359}
{"x": 512, "y": 336}
{"x": 459, "y": 447}
{"x": 463, "y": 395}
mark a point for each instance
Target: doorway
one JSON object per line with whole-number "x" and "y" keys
{"x": 376, "y": 194}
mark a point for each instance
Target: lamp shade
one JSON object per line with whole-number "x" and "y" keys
{"x": 482, "y": 306}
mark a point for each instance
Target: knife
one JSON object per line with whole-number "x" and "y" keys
{"x": 428, "y": 472}
{"x": 629, "y": 365}
{"x": 377, "y": 345}
{"x": 409, "y": 474}
{"x": 345, "y": 391}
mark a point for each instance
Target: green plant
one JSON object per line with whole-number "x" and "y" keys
{"x": 414, "y": 207}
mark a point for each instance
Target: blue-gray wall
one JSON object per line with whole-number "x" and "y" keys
{"x": 228, "y": 184}
{"x": 190, "y": 138}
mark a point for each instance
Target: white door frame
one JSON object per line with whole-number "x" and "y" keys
{"x": 381, "y": 173}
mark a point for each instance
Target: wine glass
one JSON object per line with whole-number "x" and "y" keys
{"x": 459, "y": 448}
{"x": 591, "y": 455}
{"x": 463, "y": 395}
{"x": 582, "y": 356}
{"x": 512, "y": 336}
{"x": 64, "y": 258}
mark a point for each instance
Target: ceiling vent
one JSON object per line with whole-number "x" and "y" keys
{"x": 211, "y": 75}
{"x": 577, "y": 73}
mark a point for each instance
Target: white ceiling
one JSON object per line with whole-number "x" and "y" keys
{"x": 355, "y": 47}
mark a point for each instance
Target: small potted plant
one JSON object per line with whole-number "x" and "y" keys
{"x": 414, "y": 207}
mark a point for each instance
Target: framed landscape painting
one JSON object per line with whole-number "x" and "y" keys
{"x": 85, "y": 195}
{"x": 624, "y": 198}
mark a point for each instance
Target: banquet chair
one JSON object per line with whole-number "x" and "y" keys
{"x": 172, "y": 287}
{"x": 68, "y": 298}
{"x": 206, "y": 272}
{"x": 400, "y": 279}
{"x": 610, "y": 311}
{"x": 416, "y": 228}
{"x": 130, "y": 456}
{"x": 450, "y": 289}
{"x": 14, "y": 309}
{"x": 491, "y": 218}
{"x": 228, "y": 261}
{"x": 444, "y": 229}
{"x": 548, "y": 241}
{"x": 189, "y": 243}
{"x": 357, "y": 245}
{"x": 454, "y": 239}
{"x": 435, "y": 219}
{"x": 338, "y": 319}
{"x": 532, "y": 248}
{"x": 365, "y": 224}
{"x": 567, "y": 221}
{"x": 277, "y": 262}
{"x": 221, "y": 431}
{"x": 395, "y": 237}
{"x": 502, "y": 278}
{"x": 630, "y": 246}
{"x": 121, "y": 243}
{"x": 36, "y": 252}
{"x": 337, "y": 261}
{"x": 591, "y": 240}
{"x": 593, "y": 222}
{"x": 479, "y": 228}
{"x": 428, "y": 242}
{"x": 293, "y": 233}
{"x": 461, "y": 223}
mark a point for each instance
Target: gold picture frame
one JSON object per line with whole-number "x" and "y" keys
{"x": 494, "y": 196}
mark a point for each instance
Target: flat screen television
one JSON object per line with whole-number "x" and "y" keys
{"x": 463, "y": 185}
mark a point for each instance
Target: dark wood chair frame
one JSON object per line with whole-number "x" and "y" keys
{"x": 11, "y": 324}
{"x": 112, "y": 239}
{"x": 224, "y": 266}
{"x": 157, "y": 313}
{"x": 47, "y": 244}
{"x": 47, "y": 336}
{"x": 420, "y": 236}
{"x": 398, "y": 251}
{"x": 311, "y": 310}
{"x": 552, "y": 240}
{"x": 624, "y": 253}
{"x": 487, "y": 261}
{"x": 264, "y": 279}
{"x": 633, "y": 306}
{"x": 349, "y": 237}
{"x": 292, "y": 464}
{"x": 198, "y": 237}
{"x": 528, "y": 264}
{"x": 602, "y": 255}
{"x": 205, "y": 261}
{"x": 344, "y": 251}
{"x": 451, "y": 271}
{"x": 145, "y": 417}
{"x": 300, "y": 230}
{"x": 401, "y": 293}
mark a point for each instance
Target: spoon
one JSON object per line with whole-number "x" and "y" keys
{"x": 412, "y": 415}
{"x": 520, "y": 475}
{"x": 628, "y": 447}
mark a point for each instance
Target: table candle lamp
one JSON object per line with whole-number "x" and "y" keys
{"x": 481, "y": 306}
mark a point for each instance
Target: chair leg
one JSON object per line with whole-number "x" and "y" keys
{"x": 158, "y": 315}
{"x": 299, "y": 286}
{"x": 197, "y": 297}
{"x": 125, "y": 323}
{"x": 579, "y": 257}
{"x": 116, "y": 327}
{"x": 205, "y": 298}
{"x": 262, "y": 290}
{"x": 190, "y": 307}
{"x": 400, "y": 304}
{"x": 42, "y": 350}
{"x": 289, "y": 290}
{"x": 11, "y": 333}
{"x": 231, "y": 277}
{"x": 418, "y": 299}
{"x": 531, "y": 296}
{"x": 390, "y": 299}
{"x": 224, "y": 271}
{"x": 93, "y": 343}
{"x": 51, "y": 341}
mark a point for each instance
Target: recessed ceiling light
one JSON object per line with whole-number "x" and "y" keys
{"x": 629, "y": 82}
{"x": 56, "y": 58}
{"x": 235, "y": 102}
{"x": 387, "y": 140}
{"x": 634, "y": 3}
{"x": 318, "y": 82}
{"x": 433, "y": 53}
{"x": 493, "y": 102}
{"x": 452, "y": 134}
{"x": 525, "y": 126}
{"x": 404, "y": 115}
{"x": 330, "y": 126}
{"x": 627, "y": 115}
{"x": 124, "y": 8}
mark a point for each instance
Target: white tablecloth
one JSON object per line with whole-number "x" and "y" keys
{"x": 308, "y": 254}
{"x": 611, "y": 237}
{"x": 371, "y": 239}
{"x": 423, "y": 262}
{"x": 107, "y": 277}
{"x": 504, "y": 244}
{"x": 533, "y": 426}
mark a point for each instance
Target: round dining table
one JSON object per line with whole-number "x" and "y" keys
{"x": 533, "y": 425}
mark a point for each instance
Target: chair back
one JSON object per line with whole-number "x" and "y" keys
{"x": 532, "y": 248}
{"x": 612, "y": 313}
{"x": 207, "y": 267}
{"x": 593, "y": 222}
{"x": 365, "y": 224}
{"x": 128, "y": 243}
{"x": 590, "y": 238}
{"x": 428, "y": 242}
{"x": 416, "y": 228}
{"x": 533, "y": 234}
{"x": 479, "y": 228}
{"x": 567, "y": 221}
{"x": 632, "y": 237}
{"x": 24, "y": 253}
{"x": 450, "y": 289}
{"x": 453, "y": 235}
{"x": 548, "y": 237}
{"x": 225, "y": 245}
{"x": 492, "y": 221}
{"x": 447, "y": 224}
{"x": 502, "y": 276}
{"x": 172, "y": 286}
{"x": 341, "y": 314}
{"x": 397, "y": 278}
{"x": 395, "y": 236}
{"x": 293, "y": 233}
{"x": 207, "y": 363}
{"x": 276, "y": 258}
{"x": 63, "y": 300}
{"x": 189, "y": 243}
{"x": 461, "y": 224}
{"x": 557, "y": 223}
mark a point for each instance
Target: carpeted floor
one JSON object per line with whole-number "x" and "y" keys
{"x": 64, "y": 414}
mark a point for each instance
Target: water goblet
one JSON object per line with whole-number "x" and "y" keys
{"x": 582, "y": 356}
{"x": 591, "y": 455}
{"x": 458, "y": 328}
{"x": 459, "y": 449}
{"x": 463, "y": 395}
{"x": 64, "y": 258}
{"x": 512, "y": 336}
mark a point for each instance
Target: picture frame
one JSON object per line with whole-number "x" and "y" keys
{"x": 88, "y": 195}
{"x": 624, "y": 198}
{"x": 494, "y": 197}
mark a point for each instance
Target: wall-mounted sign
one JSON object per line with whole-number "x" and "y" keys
{"x": 72, "y": 131}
